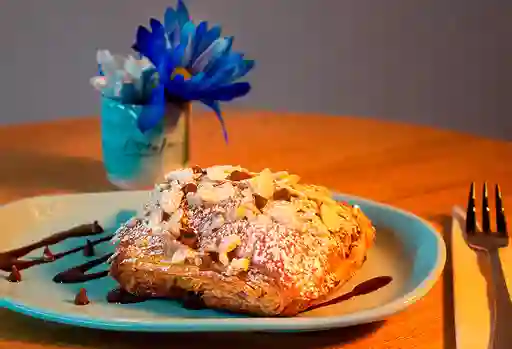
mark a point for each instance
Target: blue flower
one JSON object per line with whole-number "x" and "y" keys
{"x": 194, "y": 63}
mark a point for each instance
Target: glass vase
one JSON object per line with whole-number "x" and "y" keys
{"x": 136, "y": 160}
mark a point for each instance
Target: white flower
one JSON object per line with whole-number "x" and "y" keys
{"x": 122, "y": 77}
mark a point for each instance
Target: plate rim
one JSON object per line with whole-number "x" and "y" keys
{"x": 247, "y": 324}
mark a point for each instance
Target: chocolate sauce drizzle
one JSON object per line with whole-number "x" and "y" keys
{"x": 10, "y": 261}
{"x": 363, "y": 288}
{"x": 78, "y": 274}
{"x": 121, "y": 296}
{"x": 10, "y": 258}
{"x": 189, "y": 299}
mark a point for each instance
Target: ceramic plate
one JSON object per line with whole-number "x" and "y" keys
{"x": 407, "y": 248}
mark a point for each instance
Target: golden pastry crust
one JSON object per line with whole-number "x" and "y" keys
{"x": 260, "y": 243}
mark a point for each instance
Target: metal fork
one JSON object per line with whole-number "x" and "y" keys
{"x": 490, "y": 242}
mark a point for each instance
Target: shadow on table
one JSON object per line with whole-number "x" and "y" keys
{"x": 445, "y": 221}
{"x": 19, "y": 328}
{"x": 32, "y": 173}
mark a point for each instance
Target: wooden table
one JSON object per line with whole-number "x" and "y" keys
{"x": 419, "y": 169}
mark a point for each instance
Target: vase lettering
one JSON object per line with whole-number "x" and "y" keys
{"x": 136, "y": 160}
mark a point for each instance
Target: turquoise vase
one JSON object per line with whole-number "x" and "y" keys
{"x": 136, "y": 160}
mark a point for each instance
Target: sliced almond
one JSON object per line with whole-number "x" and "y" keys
{"x": 240, "y": 212}
{"x": 280, "y": 175}
{"x": 283, "y": 212}
{"x": 220, "y": 173}
{"x": 238, "y": 265}
{"x": 289, "y": 179}
{"x": 224, "y": 191}
{"x": 229, "y": 243}
{"x": 173, "y": 225}
{"x": 332, "y": 221}
{"x": 182, "y": 176}
{"x": 215, "y": 194}
{"x": 320, "y": 196}
{"x": 181, "y": 255}
{"x": 155, "y": 218}
{"x": 170, "y": 200}
{"x": 261, "y": 220}
{"x": 217, "y": 222}
{"x": 223, "y": 258}
{"x": 263, "y": 184}
{"x": 194, "y": 200}
{"x": 207, "y": 193}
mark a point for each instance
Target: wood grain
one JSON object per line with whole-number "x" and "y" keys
{"x": 420, "y": 169}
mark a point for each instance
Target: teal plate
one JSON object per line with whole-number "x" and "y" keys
{"x": 407, "y": 248}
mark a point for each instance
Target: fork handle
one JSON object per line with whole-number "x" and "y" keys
{"x": 501, "y": 331}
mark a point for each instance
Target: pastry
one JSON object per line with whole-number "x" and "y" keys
{"x": 260, "y": 243}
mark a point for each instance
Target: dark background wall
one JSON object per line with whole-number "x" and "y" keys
{"x": 446, "y": 63}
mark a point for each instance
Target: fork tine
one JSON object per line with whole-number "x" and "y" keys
{"x": 486, "y": 214}
{"x": 471, "y": 212}
{"x": 501, "y": 221}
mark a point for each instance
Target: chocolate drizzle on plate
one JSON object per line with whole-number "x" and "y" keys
{"x": 121, "y": 296}
{"x": 81, "y": 297}
{"x": 193, "y": 301}
{"x": 10, "y": 261}
{"x": 15, "y": 275}
{"x": 190, "y": 300}
{"x": 89, "y": 249}
{"x": 10, "y": 258}
{"x": 78, "y": 274}
{"x": 363, "y": 288}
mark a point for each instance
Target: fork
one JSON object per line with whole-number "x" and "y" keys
{"x": 490, "y": 242}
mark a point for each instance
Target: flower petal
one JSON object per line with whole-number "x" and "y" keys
{"x": 177, "y": 55}
{"x": 178, "y": 43}
{"x": 142, "y": 39}
{"x": 157, "y": 28}
{"x": 226, "y": 70}
{"x": 205, "y": 41}
{"x": 201, "y": 30}
{"x": 175, "y": 36}
{"x": 243, "y": 69}
{"x": 98, "y": 82}
{"x": 215, "y": 50}
{"x": 150, "y": 81}
{"x": 230, "y": 59}
{"x": 187, "y": 31}
{"x": 106, "y": 62}
{"x": 225, "y": 52}
{"x": 170, "y": 20}
{"x": 171, "y": 60}
{"x": 182, "y": 13}
{"x": 222, "y": 77}
{"x": 214, "y": 105}
{"x": 177, "y": 87}
{"x": 150, "y": 45}
{"x": 228, "y": 92}
{"x": 198, "y": 78}
{"x": 132, "y": 67}
{"x": 231, "y": 39}
{"x": 152, "y": 114}
{"x": 187, "y": 38}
